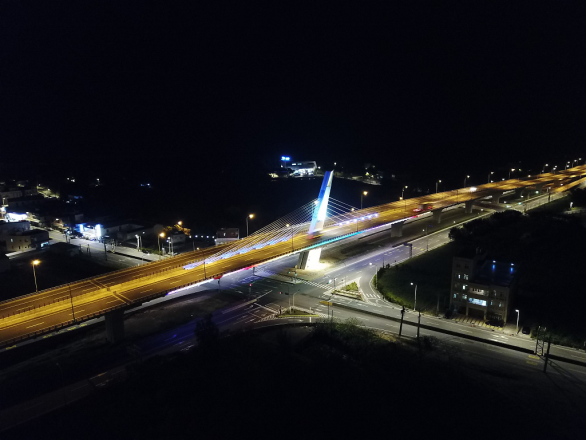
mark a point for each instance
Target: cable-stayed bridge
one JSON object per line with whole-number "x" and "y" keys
{"x": 307, "y": 228}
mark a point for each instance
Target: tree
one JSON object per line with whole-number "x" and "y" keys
{"x": 456, "y": 234}
{"x": 206, "y": 331}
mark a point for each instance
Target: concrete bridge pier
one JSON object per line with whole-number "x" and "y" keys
{"x": 496, "y": 198}
{"x": 309, "y": 259}
{"x": 115, "y": 326}
{"x": 468, "y": 207}
{"x": 437, "y": 216}
{"x": 397, "y": 229}
{"x": 519, "y": 192}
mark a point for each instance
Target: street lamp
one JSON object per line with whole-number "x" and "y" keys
{"x": 161, "y": 235}
{"x": 465, "y": 179}
{"x": 403, "y": 192}
{"x": 375, "y": 276}
{"x": 362, "y": 196}
{"x": 491, "y": 173}
{"x": 250, "y": 216}
{"x": 35, "y": 263}
{"x": 516, "y": 310}
{"x": 415, "y": 305}
{"x": 179, "y": 222}
{"x": 512, "y": 169}
{"x": 292, "y": 234}
{"x": 543, "y": 170}
{"x": 436, "y": 183}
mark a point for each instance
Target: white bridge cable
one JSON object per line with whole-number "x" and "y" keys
{"x": 291, "y": 223}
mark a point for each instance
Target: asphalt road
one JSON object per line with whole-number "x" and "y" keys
{"x": 44, "y": 310}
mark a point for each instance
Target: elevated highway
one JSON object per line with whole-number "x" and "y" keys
{"x": 42, "y": 312}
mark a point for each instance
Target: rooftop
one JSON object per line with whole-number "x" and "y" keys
{"x": 496, "y": 272}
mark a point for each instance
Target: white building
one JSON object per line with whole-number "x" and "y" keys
{"x": 226, "y": 235}
{"x": 304, "y": 168}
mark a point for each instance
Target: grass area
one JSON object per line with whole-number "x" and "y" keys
{"x": 352, "y": 287}
{"x": 431, "y": 273}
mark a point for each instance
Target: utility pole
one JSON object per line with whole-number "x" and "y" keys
{"x": 401, "y": 326}
{"x": 71, "y": 298}
{"x": 547, "y": 354}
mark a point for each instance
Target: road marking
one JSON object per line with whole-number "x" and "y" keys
{"x": 114, "y": 300}
{"x": 175, "y": 282}
{"x": 34, "y": 325}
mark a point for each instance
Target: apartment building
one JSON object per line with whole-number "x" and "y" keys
{"x": 482, "y": 287}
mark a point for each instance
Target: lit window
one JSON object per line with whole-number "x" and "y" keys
{"x": 479, "y": 302}
{"x": 464, "y": 296}
{"x": 465, "y": 276}
{"x": 500, "y": 304}
{"x": 455, "y": 295}
{"x": 458, "y": 276}
{"x": 491, "y": 303}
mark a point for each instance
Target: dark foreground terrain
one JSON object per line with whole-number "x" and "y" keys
{"x": 332, "y": 381}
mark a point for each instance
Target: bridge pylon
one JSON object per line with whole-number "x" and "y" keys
{"x": 309, "y": 259}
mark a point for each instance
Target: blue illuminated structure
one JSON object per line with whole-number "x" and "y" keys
{"x": 321, "y": 208}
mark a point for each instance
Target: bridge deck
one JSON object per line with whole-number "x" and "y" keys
{"x": 40, "y": 312}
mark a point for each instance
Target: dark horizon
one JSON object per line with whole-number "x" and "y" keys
{"x": 410, "y": 87}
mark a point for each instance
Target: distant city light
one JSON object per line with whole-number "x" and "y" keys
{"x": 285, "y": 158}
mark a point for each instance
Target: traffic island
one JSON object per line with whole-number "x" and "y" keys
{"x": 297, "y": 312}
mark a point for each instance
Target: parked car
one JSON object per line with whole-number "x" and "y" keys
{"x": 526, "y": 330}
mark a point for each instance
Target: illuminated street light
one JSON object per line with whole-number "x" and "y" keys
{"x": 403, "y": 192}
{"x": 512, "y": 169}
{"x": 516, "y": 310}
{"x": 415, "y": 305}
{"x": 436, "y": 184}
{"x": 250, "y": 216}
{"x": 362, "y": 196}
{"x": 465, "y": 179}
{"x": 161, "y": 235}
{"x": 179, "y": 222}
{"x": 35, "y": 263}
{"x": 491, "y": 173}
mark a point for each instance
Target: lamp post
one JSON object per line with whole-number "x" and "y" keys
{"x": 512, "y": 169}
{"x": 436, "y": 184}
{"x": 465, "y": 180}
{"x": 362, "y": 196}
{"x": 375, "y": 276}
{"x": 292, "y": 235}
{"x": 415, "y": 305}
{"x": 403, "y": 192}
{"x": 161, "y": 235}
{"x": 138, "y": 246}
{"x": 71, "y": 298}
{"x": 35, "y": 263}
{"x": 516, "y": 310}
{"x": 490, "y": 174}
{"x": 543, "y": 170}
{"x": 249, "y": 216}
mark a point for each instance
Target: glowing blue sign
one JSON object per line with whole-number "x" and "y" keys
{"x": 285, "y": 158}
{"x": 479, "y": 302}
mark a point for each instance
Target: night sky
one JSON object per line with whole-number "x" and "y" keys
{"x": 416, "y": 86}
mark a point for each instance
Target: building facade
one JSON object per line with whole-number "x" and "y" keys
{"x": 482, "y": 288}
{"x": 24, "y": 241}
{"x": 227, "y": 235}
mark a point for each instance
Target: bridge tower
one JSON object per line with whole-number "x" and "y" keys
{"x": 308, "y": 259}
